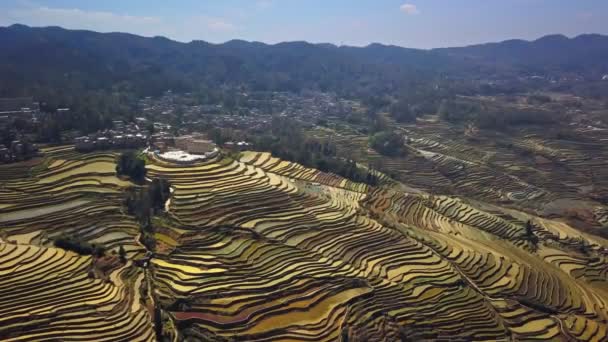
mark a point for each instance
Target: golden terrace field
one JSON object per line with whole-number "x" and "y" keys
{"x": 259, "y": 249}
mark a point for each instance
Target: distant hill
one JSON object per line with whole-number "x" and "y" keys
{"x": 585, "y": 54}
{"x": 33, "y": 60}
{"x": 52, "y": 56}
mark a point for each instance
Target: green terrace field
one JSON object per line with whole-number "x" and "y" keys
{"x": 261, "y": 249}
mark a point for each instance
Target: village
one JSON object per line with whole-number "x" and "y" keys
{"x": 250, "y": 111}
{"x": 11, "y": 110}
{"x": 178, "y": 122}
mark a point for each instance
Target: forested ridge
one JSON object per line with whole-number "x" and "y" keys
{"x": 35, "y": 60}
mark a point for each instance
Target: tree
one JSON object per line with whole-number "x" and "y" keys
{"x": 217, "y": 136}
{"x": 402, "y": 112}
{"x": 379, "y": 123}
{"x": 150, "y": 128}
{"x": 529, "y": 234}
{"x": 583, "y": 246}
{"x": 132, "y": 166}
{"x": 122, "y": 254}
{"x": 159, "y": 193}
{"x": 50, "y": 129}
{"x": 388, "y": 143}
{"x": 138, "y": 203}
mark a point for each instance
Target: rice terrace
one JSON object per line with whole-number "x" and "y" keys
{"x": 256, "y": 248}
{"x": 303, "y": 171}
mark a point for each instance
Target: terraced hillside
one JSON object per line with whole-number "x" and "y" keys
{"x": 66, "y": 193}
{"x": 46, "y": 294}
{"x": 50, "y": 294}
{"x": 526, "y": 168}
{"x": 266, "y": 250}
{"x": 260, "y": 249}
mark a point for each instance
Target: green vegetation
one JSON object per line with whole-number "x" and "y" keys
{"x": 159, "y": 193}
{"x": 529, "y": 234}
{"x": 388, "y": 143}
{"x": 137, "y": 201}
{"x": 74, "y": 244}
{"x": 288, "y": 141}
{"x": 402, "y": 112}
{"x": 495, "y": 116}
{"x": 141, "y": 201}
{"x": 129, "y": 164}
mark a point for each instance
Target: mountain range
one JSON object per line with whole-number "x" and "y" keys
{"x": 37, "y": 58}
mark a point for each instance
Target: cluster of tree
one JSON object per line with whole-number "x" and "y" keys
{"x": 76, "y": 245}
{"x": 424, "y": 97}
{"x": 509, "y": 117}
{"x": 402, "y": 112}
{"x": 88, "y": 112}
{"x": 459, "y": 110}
{"x": 496, "y": 117}
{"x": 131, "y": 165}
{"x": 143, "y": 202}
{"x": 288, "y": 141}
{"x": 388, "y": 143}
{"x": 159, "y": 192}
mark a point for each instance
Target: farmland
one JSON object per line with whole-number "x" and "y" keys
{"x": 257, "y": 248}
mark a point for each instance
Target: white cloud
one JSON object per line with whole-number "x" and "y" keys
{"x": 409, "y": 9}
{"x": 80, "y": 19}
{"x": 183, "y": 28}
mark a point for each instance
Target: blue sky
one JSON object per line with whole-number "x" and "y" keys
{"x": 410, "y": 23}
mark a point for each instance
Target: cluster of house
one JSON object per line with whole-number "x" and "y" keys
{"x": 121, "y": 136}
{"x": 18, "y": 108}
{"x": 94, "y": 142}
{"x": 17, "y": 151}
{"x": 257, "y": 123}
{"x": 162, "y": 141}
{"x": 252, "y": 112}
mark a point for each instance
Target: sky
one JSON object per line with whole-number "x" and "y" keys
{"x": 408, "y": 23}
